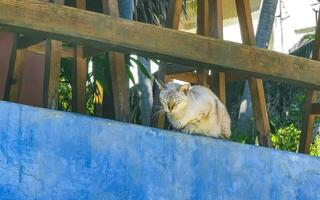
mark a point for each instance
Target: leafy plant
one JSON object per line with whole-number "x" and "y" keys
{"x": 315, "y": 147}
{"x": 65, "y": 91}
{"x": 286, "y": 138}
{"x": 240, "y": 137}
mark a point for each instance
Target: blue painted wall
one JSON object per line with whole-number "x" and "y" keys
{"x": 55, "y": 155}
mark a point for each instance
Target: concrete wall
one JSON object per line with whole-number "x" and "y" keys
{"x": 55, "y": 155}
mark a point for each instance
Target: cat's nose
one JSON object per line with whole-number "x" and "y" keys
{"x": 170, "y": 105}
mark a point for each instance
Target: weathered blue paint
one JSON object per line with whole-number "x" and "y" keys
{"x": 55, "y": 155}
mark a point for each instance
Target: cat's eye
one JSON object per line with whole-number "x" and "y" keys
{"x": 163, "y": 101}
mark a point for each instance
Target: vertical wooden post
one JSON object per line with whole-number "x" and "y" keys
{"x": 119, "y": 79}
{"x": 79, "y": 79}
{"x": 203, "y": 29}
{"x": 25, "y": 77}
{"x": 256, "y": 85}
{"x": 218, "y": 78}
{"x": 29, "y": 79}
{"x": 307, "y": 125}
{"x": 79, "y": 74}
{"x": 31, "y": 86}
{"x": 14, "y": 75}
{"x": 173, "y": 19}
{"x": 51, "y": 74}
{"x": 52, "y": 71}
{"x": 311, "y": 97}
{"x": 7, "y": 51}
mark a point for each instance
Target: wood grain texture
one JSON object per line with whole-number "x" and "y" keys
{"x": 218, "y": 85}
{"x": 120, "y": 86}
{"x": 26, "y": 41}
{"x": 79, "y": 26}
{"x": 218, "y": 78}
{"x": 7, "y": 48}
{"x": 307, "y": 125}
{"x": 78, "y": 82}
{"x": 32, "y": 79}
{"x": 172, "y": 22}
{"x": 230, "y": 76}
{"x": 173, "y": 14}
{"x": 52, "y": 74}
{"x": 259, "y": 105}
{"x": 13, "y": 90}
{"x": 66, "y": 52}
{"x": 309, "y": 107}
{"x": 203, "y": 26}
{"x": 190, "y": 77}
{"x": 216, "y": 19}
{"x": 79, "y": 74}
{"x": 119, "y": 103}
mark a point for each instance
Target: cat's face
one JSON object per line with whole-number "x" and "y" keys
{"x": 174, "y": 97}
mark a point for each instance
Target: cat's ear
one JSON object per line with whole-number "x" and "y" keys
{"x": 185, "y": 88}
{"x": 160, "y": 85}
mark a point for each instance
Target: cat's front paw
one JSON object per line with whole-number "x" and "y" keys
{"x": 187, "y": 130}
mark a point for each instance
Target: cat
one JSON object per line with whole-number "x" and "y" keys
{"x": 195, "y": 110}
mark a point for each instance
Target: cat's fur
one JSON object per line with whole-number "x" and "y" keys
{"x": 195, "y": 110}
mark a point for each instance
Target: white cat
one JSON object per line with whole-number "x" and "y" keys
{"x": 195, "y": 110}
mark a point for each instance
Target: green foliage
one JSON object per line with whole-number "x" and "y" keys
{"x": 238, "y": 136}
{"x": 140, "y": 66}
{"x": 65, "y": 91}
{"x": 155, "y": 11}
{"x": 286, "y": 105}
{"x": 242, "y": 138}
{"x": 315, "y": 147}
{"x": 101, "y": 74}
{"x": 287, "y": 138}
{"x": 65, "y": 95}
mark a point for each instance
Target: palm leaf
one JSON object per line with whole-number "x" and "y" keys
{"x": 141, "y": 67}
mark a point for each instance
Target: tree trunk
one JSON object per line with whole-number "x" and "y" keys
{"x": 125, "y": 8}
{"x": 145, "y": 87}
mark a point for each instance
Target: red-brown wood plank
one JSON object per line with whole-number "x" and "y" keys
{"x": 177, "y": 47}
{"x": 78, "y": 82}
{"x": 311, "y": 97}
{"x": 218, "y": 78}
{"x": 31, "y": 88}
{"x": 256, "y": 85}
{"x": 7, "y": 45}
{"x": 12, "y": 90}
{"x": 117, "y": 103}
{"x": 52, "y": 74}
{"x": 53, "y": 54}
{"x": 203, "y": 29}
{"x": 79, "y": 75}
{"x": 172, "y": 21}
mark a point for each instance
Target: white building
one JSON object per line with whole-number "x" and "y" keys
{"x": 294, "y": 19}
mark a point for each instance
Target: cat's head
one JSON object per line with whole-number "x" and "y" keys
{"x": 174, "y": 97}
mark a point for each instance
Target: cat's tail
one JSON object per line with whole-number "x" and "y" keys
{"x": 225, "y": 121}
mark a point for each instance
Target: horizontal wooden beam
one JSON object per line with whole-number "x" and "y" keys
{"x": 190, "y": 77}
{"x": 104, "y": 32}
{"x": 28, "y": 40}
{"x": 66, "y": 52}
{"x": 233, "y": 76}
